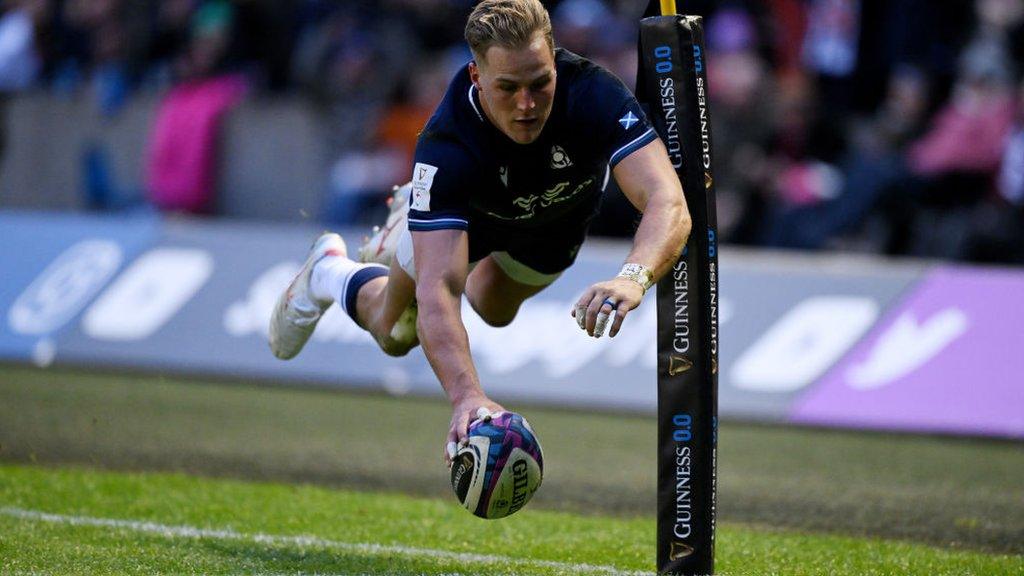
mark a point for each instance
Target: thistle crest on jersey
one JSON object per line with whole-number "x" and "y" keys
{"x": 559, "y": 159}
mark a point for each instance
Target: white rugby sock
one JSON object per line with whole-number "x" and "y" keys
{"x": 338, "y": 279}
{"x": 328, "y": 278}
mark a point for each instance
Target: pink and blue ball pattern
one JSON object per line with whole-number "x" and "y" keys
{"x": 506, "y": 431}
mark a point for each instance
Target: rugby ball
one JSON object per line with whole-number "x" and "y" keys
{"x": 496, "y": 473}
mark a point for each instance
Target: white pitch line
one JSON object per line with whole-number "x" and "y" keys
{"x": 169, "y": 531}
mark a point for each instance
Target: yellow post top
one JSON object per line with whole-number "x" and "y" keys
{"x": 668, "y": 7}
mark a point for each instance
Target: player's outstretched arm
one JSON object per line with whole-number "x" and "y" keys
{"x": 649, "y": 181}
{"x": 441, "y": 268}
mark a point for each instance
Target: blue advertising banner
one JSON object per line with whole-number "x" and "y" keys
{"x": 199, "y": 301}
{"x": 53, "y": 266}
{"x": 195, "y": 296}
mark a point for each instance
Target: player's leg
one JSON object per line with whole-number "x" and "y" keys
{"x": 506, "y": 278}
{"x": 499, "y": 285}
{"x": 373, "y": 295}
{"x": 503, "y": 280}
{"x": 386, "y": 308}
{"x": 377, "y": 295}
{"x": 328, "y": 275}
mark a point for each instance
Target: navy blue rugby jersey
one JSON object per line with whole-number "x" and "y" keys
{"x": 469, "y": 175}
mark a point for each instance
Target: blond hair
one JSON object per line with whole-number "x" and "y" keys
{"x": 506, "y": 23}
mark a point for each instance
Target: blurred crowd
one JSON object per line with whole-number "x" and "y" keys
{"x": 890, "y": 126}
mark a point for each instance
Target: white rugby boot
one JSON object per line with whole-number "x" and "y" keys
{"x": 380, "y": 247}
{"x": 297, "y": 312}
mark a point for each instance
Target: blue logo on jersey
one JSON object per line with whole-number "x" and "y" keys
{"x": 628, "y": 120}
{"x": 698, "y": 61}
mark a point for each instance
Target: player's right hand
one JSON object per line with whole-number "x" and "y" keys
{"x": 612, "y": 299}
{"x": 464, "y": 412}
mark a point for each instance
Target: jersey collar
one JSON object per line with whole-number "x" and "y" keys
{"x": 473, "y": 101}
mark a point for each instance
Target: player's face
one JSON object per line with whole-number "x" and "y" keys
{"x": 517, "y": 87}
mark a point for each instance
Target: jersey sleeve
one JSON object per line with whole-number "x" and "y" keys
{"x": 441, "y": 176}
{"x": 621, "y": 124}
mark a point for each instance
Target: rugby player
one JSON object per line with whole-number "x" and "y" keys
{"x": 508, "y": 174}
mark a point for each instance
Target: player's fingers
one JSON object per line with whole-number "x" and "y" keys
{"x": 450, "y": 449}
{"x": 620, "y": 315}
{"x": 450, "y": 444}
{"x": 606, "y": 311}
{"x": 482, "y": 413}
{"x": 601, "y": 324}
{"x": 600, "y": 310}
{"x": 593, "y": 308}
{"x": 582, "y": 302}
{"x": 580, "y": 310}
{"x": 462, "y": 429}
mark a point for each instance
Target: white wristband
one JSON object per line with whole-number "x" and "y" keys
{"x": 638, "y": 273}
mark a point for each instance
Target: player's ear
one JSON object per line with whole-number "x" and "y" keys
{"x": 474, "y": 74}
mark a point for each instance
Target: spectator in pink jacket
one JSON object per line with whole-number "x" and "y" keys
{"x": 181, "y": 169}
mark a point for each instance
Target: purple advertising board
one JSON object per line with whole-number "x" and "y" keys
{"x": 947, "y": 359}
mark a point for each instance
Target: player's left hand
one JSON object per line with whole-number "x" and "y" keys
{"x": 464, "y": 412}
{"x": 604, "y": 300}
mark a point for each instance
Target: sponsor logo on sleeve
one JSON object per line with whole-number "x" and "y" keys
{"x": 422, "y": 181}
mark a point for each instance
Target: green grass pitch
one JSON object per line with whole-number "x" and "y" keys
{"x": 80, "y": 521}
{"x": 129, "y": 474}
